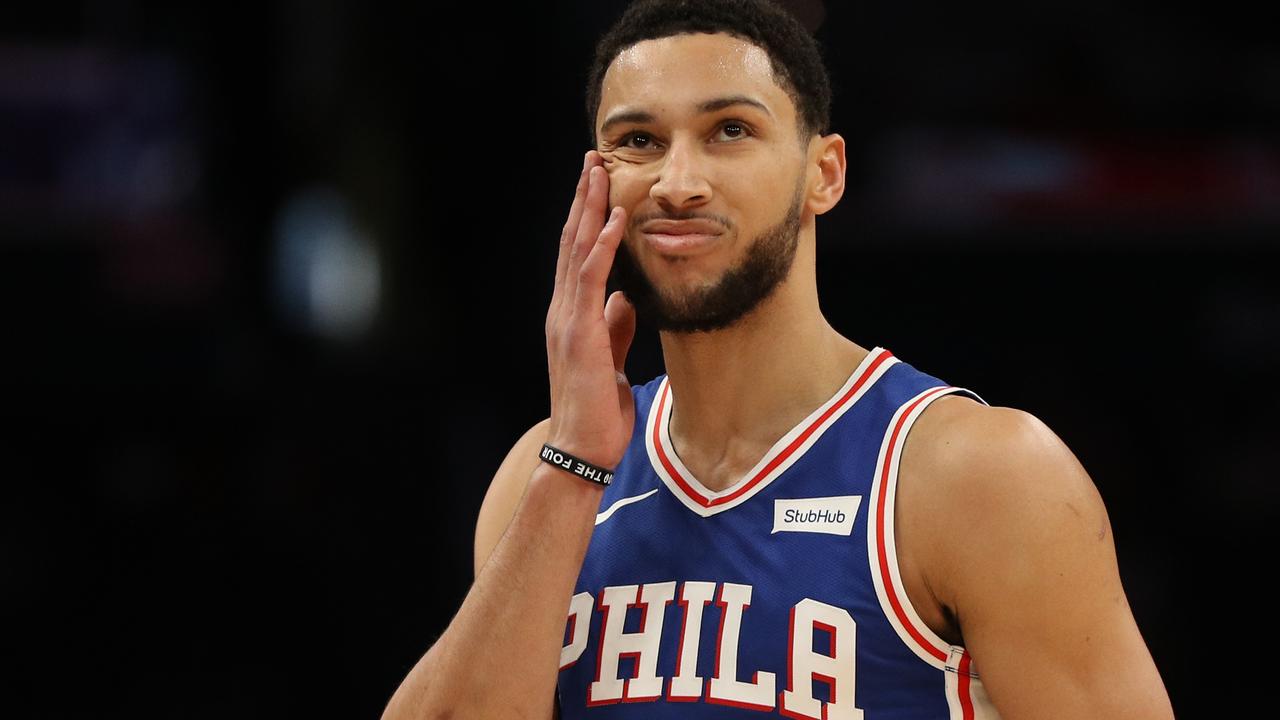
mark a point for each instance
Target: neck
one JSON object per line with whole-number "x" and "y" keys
{"x": 736, "y": 391}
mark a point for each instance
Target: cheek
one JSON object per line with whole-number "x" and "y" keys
{"x": 625, "y": 188}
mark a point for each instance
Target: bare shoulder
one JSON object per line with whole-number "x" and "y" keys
{"x": 1014, "y": 537}
{"x": 932, "y": 498}
{"x": 505, "y": 490}
{"x": 963, "y": 442}
{"x": 997, "y": 471}
{"x": 982, "y": 454}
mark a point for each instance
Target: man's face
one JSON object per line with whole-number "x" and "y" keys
{"x": 683, "y": 139}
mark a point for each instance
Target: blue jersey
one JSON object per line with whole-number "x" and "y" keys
{"x": 779, "y": 594}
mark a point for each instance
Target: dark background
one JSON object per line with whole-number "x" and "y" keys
{"x": 274, "y": 280}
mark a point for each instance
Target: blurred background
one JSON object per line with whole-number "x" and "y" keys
{"x": 274, "y": 283}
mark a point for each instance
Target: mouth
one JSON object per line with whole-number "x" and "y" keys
{"x": 680, "y": 244}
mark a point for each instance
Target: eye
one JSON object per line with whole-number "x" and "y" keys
{"x": 625, "y": 141}
{"x": 735, "y": 129}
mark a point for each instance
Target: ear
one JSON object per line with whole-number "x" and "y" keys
{"x": 826, "y": 168}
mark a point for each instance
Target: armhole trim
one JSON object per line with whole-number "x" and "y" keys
{"x": 882, "y": 545}
{"x": 967, "y": 698}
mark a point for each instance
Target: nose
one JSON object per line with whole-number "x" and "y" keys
{"x": 682, "y": 180}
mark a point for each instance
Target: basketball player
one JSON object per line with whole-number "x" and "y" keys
{"x": 796, "y": 525}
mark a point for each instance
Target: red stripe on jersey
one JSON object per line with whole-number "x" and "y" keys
{"x": 966, "y": 702}
{"x": 886, "y": 578}
{"x": 662, "y": 453}
{"x": 777, "y": 459}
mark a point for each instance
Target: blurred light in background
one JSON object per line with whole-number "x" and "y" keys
{"x": 93, "y": 135}
{"x": 328, "y": 275}
{"x": 966, "y": 180}
{"x": 103, "y": 169}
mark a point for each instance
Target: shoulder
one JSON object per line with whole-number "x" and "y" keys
{"x": 997, "y": 452}
{"x": 1017, "y": 542}
{"x": 971, "y": 447}
{"x": 1001, "y": 477}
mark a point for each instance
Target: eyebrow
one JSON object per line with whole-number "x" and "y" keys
{"x": 707, "y": 106}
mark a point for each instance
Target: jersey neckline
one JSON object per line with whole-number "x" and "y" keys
{"x": 789, "y": 448}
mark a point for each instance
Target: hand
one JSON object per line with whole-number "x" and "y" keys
{"x": 592, "y": 409}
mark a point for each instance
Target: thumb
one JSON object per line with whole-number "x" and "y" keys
{"x": 620, "y": 315}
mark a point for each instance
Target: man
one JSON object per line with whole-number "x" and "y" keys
{"x": 797, "y": 525}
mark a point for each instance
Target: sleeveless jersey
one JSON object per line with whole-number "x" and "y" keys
{"x": 778, "y": 595}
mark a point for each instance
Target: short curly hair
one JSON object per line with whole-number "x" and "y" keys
{"x": 793, "y": 51}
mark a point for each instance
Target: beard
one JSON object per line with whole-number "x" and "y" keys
{"x": 719, "y": 305}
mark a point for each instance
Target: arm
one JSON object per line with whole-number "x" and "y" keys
{"x": 1038, "y": 594}
{"x": 506, "y": 491}
{"x": 500, "y": 656}
{"x": 517, "y": 606}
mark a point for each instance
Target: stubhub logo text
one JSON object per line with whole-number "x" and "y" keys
{"x": 820, "y": 516}
{"x": 828, "y": 515}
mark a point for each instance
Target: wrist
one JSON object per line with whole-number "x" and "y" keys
{"x": 562, "y": 483}
{"x": 575, "y": 465}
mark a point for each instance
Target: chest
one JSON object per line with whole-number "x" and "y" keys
{"x": 675, "y": 606}
{"x": 777, "y": 594}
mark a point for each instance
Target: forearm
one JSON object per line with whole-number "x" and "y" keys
{"x": 500, "y": 655}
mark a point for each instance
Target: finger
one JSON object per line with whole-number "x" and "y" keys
{"x": 595, "y": 269}
{"x": 621, "y": 318}
{"x": 570, "y": 231}
{"x": 589, "y": 227}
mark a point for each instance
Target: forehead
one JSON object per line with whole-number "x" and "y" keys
{"x": 679, "y": 72}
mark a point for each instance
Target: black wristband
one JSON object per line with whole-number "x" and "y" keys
{"x": 576, "y": 465}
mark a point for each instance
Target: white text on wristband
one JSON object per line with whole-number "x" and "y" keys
{"x": 576, "y": 465}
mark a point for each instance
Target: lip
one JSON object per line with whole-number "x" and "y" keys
{"x": 680, "y": 237}
{"x": 681, "y": 227}
{"x": 680, "y": 244}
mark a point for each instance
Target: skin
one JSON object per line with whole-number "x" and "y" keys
{"x": 1036, "y": 596}
{"x": 1003, "y": 541}
{"x": 739, "y": 166}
